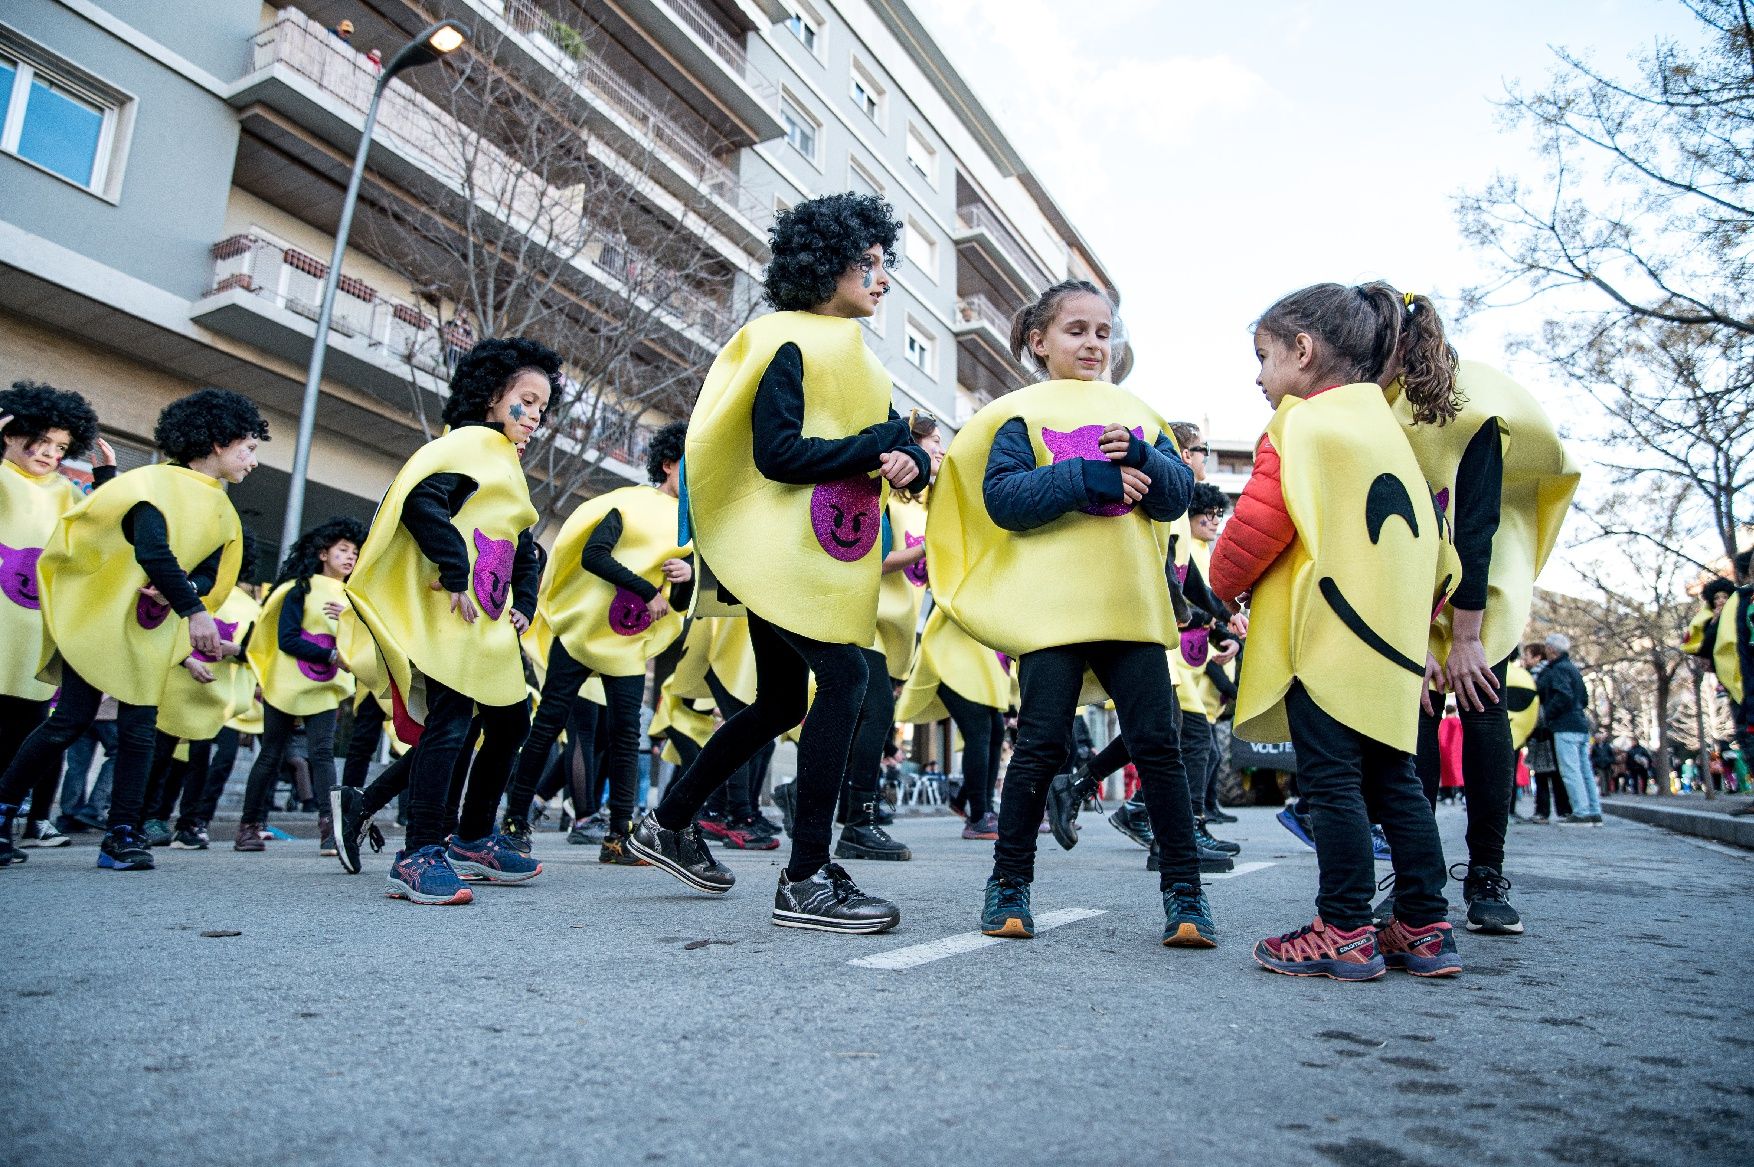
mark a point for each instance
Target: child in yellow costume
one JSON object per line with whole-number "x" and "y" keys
{"x": 42, "y": 427}
{"x": 302, "y": 674}
{"x": 1047, "y": 541}
{"x": 1505, "y": 480}
{"x": 954, "y": 676}
{"x": 790, "y": 448}
{"x": 445, "y": 585}
{"x": 717, "y": 671}
{"x": 605, "y": 610}
{"x": 129, "y": 581}
{"x": 1338, "y": 538}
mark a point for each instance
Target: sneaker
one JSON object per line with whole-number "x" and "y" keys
{"x": 125, "y": 849}
{"x": 1298, "y": 825}
{"x": 156, "y": 832}
{"x": 492, "y": 859}
{"x": 1580, "y": 820}
{"x": 1207, "y": 843}
{"x": 1540, "y": 820}
{"x": 326, "y": 833}
{"x": 89, "y": 819}
{"x": 682, "y": 854}
{"x": 426, "y": 877}
{"x": 1487, "y": 894}
{"x": 986, "y": 827}
{"x": 1379, "y": 845}
{"x": 785, "y": 797}
{"x": 1211, "y": 862}
{"x": 347, "y": 808}
{"x": 189, "y": 839}
{"x": 829, "y": 901}
{"x": 1066, "y": 795}
{"x": 43, "y": 834}
{"x": 614, "y": 851}
{"x": 712, "y": 825}
{"x": 8, "y": 853}
{"x": 746, "y": 837}
{"x": 1317, "y": 950}
{"x": 1188, "y": 918}
{"x": 1007, "y": 909}
{"x": 589, "y": 832}
{"x": 1131, "y": 820}
{"x": 1425, "y": 952}
{"x": 249, "y": 838}
{"x": 516, "y": 832}
{"x": 1216, "y": 815}
{"x": 761, "y": 824}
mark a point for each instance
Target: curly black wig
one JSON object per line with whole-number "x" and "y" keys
{"x": 485, "y": 371}
{"x": 1207, "y": 497}
{"x": 815, "y": 242}
{"x": 302, "y": 562}
{"x": 1715, "y": 587}
{"x": 36, "y": 409}
{"x": 666, "y": 446}
{"x": 190, "y": 427}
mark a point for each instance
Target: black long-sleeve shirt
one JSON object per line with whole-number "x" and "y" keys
{"x": 1475, "y": 513}
{"x": 598, "y": 558}
{"x": 292, "y": 619}
{"x": 1021, "y": 496}
{"x": 427, "y": 513}
{"x": 144, "y": 527}
{"x": 784, "y": 454}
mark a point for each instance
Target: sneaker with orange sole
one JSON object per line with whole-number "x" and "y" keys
{"x": 1429, "y": 951}
{"x": 1321, "y": 950}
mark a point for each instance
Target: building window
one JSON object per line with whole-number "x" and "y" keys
{"x": 922, "y": 156}
{"x": 919, "y": 349}
{"x": 921, "y": 249}
{"x": 59, "y": 122}
{"x": 859, "y": 180}
{"x": 807, "y": 29}
{"x": 801, "y": 128}
{"x": 867, "y": 94}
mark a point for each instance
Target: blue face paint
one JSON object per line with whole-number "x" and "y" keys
{"x": 870, "y": 278}
{"x": 516, "y": 411}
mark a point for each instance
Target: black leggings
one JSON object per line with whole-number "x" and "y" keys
{"x": 277, "y": 730}
{"x": 983, "y": 737}
{"x": 783, "y": 663}
{"x": 1488, "y": 772}
{"x": 876, "y": 721}
{"x": 43, "y": 750}
{"x": 443, "y": 746}
{"x": 362, "y": 742}
{"x": 1137, "y": 677}
{"x": 19, "y": 718}
{"x": 560, "y": 692}
{"x": 740, "y": 796}
{"x": 1196, "y": 749}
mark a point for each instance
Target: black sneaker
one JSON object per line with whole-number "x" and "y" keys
{"x": 589, "y": 832}
{"x": 762, "y": 825}
{"x": 1487, "y": 894}
{"x": 1131, "y": 820}
{"x": 1066, "y": 795}
{"x": 1218, "y": 816}
{"x": 516, "y": 832}
{"x": 347, "y": 808}
{"x": 125, "y": 849}
{"x": 189, "y": 839}
{"x": 864, "y": 838}
{"x": 1187, "y": 918}
{"x": 1211, "y": 862}
{"x": 614, "y": 851}
{"x": 786, "y": 798}
{"x": 683, "y": 854}
{"x": 829, "y": 901}
{"x": 1207, "y": 843}
{"x": 1006, "y": 912}
{"x": 157, "y": 832}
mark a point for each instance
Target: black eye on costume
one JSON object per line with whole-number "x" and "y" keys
{"x": 1388, "y": 497}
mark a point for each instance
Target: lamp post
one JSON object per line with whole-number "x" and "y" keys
{"x": 433, "y": 44}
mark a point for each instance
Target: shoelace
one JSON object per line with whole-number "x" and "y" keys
{"x": 1187, "y": 901}
{"x": 1011, "y": 896}
{"x": 845, "y": 890}
{"x": 1493, "y": 887}
{"x": 374, "y": 837}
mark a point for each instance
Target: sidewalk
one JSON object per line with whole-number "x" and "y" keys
{"x": 1688, "y": 814}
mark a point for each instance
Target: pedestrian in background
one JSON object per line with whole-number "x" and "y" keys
{"x": 1564, "y": 704}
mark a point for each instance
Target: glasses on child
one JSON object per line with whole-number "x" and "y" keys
{"x": 1197, "y": 450}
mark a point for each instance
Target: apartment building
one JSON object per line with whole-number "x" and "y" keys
{"x": 174, "y": 176}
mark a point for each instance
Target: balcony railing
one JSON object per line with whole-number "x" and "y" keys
{"x": 727, "y": 49}
{"x": 977, "y": 309}
{"x": 659, "y": 129}
{"x": 440, "y": 144}
{"x": 978, "y": 218}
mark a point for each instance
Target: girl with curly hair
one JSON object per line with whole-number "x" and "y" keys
{"x": 41, "y": 426}
{"x": 791, "y": 447}
{"x": 302, "y": 674}
{"x": 156, "y": 542}
{"x": 445, "y": 585}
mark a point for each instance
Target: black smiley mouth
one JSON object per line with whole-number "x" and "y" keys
{"x": 1360, "y": 628}
{"x": 834, "y": 532}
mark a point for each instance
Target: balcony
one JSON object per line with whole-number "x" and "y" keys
{"x": 984, "y": 364}
{"x": 984, "y": 239}
{"x": 319, "y": 82}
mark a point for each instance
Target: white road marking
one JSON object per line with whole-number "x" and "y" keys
{"x": 1241, "y": 869}
{"x": 915, "y": 955}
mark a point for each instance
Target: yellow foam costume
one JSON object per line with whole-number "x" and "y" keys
{"x": 96, "y": 618}
{"x": 1725, "y": 661}
{"x": 398, "y": 630}
{"x": 900, "y": 593}
{"x": 1346, "y": 609}
{"x": 1187, "y": 660}
{"x": 1539, "y": 480}
{"x": 1077, "y": 579}
{"x": 30, "y": 506}
{"x": 196, "y": 712}
{"x": 289, "y": 684}
{"x": 606, "y": 628}
{"x": 805, "y": 558}
{"x": 1524, "y": 706}
{"x": 678, "y": 715}
{"x": 949, "y": 656}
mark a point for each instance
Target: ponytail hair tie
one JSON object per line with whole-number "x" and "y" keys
{"x": 1407, "y": 299}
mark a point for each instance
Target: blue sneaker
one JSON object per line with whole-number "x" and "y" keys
{"x": 426, "y": 878}
{"x": 1379, "y": 844}
{"x": 1007, "y": 910}
{"x": 125, "y": 849}
{"x": 1188, "y": 918}
{"x": 1298, "y": 825}
{"x": 495, "y": 859}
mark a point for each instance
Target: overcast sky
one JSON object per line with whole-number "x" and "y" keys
{"x": 1219, "y": 155}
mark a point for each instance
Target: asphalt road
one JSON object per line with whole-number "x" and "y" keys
{"x": 580, "y": 1019}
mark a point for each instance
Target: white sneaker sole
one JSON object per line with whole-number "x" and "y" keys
{"x": 335, "y": 816}
{"x": 656, "y": 859}
{"x": 401, "y": 891}
{"x": 480, "y": 873}
{"x": 785, "y": 919}
{"x": 57, "y": 841}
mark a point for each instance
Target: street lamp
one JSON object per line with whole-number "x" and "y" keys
{"x": 433, "y": 44}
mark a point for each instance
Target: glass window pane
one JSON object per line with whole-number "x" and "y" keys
{"x": 8, "y": 75}
{"x": 61, "y": 132}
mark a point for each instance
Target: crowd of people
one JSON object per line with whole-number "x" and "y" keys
{"x": 1063, "y": 549}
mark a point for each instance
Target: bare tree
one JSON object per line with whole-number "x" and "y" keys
{"x": 1645, "y": 216}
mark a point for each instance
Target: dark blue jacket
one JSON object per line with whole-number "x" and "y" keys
{"x": 1021, "y": 496}
{"x": 1564, "y": 699}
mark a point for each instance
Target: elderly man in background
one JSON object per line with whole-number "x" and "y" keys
{"x": 1564, "y": 711}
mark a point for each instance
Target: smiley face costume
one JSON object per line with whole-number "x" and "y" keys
{"x": 31, "y": 506}
{"x": 955, "y": 677}
{"x": 191, "y": 715}
{"x": 901, "y": 592}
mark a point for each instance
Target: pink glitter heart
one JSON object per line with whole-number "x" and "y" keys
{"x": 1086, "y": 442}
